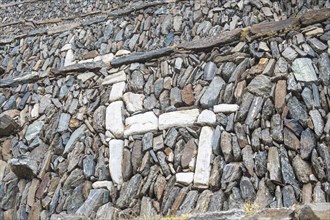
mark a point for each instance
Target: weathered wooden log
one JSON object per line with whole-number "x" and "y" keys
{"x": 231, "y": 57}
{"x": 29, "y": 78}
{"x": 135, "y": 7}
{"x": 78, "y": 68}
{"x": 270, "y": 29}
{"x": 141, "y": 56}
{"x": 223, "y": 38}
{"x": 315, "y": 16}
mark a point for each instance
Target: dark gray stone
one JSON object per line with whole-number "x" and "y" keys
{"x": 129, "y": 192}
{"x": 96, "y": 198}
{"x": 297, "y": 110}
{"x": 261, "y": 85}
{"x": 307, "y": 143}
{"x": 209, "y": 70}
{"x": 8, "y": 126}
{"x": 88, "y": 166}
{"x": 171, "y": 137}
{"x": 210, "y": 97}
{"x": 147, "y": 141}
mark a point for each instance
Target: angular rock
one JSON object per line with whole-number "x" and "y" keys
{"x": 129, "y": 192}
{"x": 184, "y": 178}
{"x": 324, "y": 68}
{"x": 225, "y": 108}
{"x": 210, "y": 97}
{"x": 261, "y": 85}
{"x": 307, "y": 143}
{"x": 114, "y": 78}
{"x": 203, "y": 162}
{"x": 107, "y": 211}
{"x": 171, "y": 137}
{"x": 247, "y": 190}
{"x": 209, "y": 71}
{"x": 317, "y": 122}
{"x": 231, "y": 172}
{"x": 303, "y": 70}
{"x": 290, "y": 140}
{"x": 206, "y": 117}
{"x": 297, "y": 110}
{"x": 8, "y": 125}
{"x": 117, "y": 91}
{"x": 24, "y": 167}
{"x": 114, "y": 118}
{"x": 75, "y": 136}
{"x": 96, "y": 198}
{"x": 133, "y": 102}
{"x": 141, "y": 123}
{"x": 273, "y": 164}
{"x": 226, "y": 146}
{"x": 99, "y": 118}
{"x": 181, "y": 118}
{"x": 302, "y": 169}
{"x": 63, "y": 123}
{"x": 116, "y": 151}
{"x": 34, "y": 129}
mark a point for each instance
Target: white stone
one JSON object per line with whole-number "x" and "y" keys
{"x": 66, "y": 47}
{"x": 178, "y": 119}
{"x": 96, "y": 59}
{"x": 117, "y": 91}
{"x": 207, "y": 117}
{"x": 86, "y": 61}
{"x": 85, "y": 76}
{"x": 141, "y": 123}
{"x": 114, "y": 120}
{"x": 122, "y": 53}
{"x": 102, "y": 184}
{"x": 225, "y": 108}
{"x": 69, "y": 58}
{"x": 203, "y": 162}
{"x": 35, "y": 111}
{"x": 107, "y": 58}
{"x": 184, "y": 178}
{"x": 116, "y": 150}
{"x": 133, "y": 101}
{"x": 114, "y": 78}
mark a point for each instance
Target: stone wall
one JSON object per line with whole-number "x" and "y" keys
{"x": 193, "y": 131}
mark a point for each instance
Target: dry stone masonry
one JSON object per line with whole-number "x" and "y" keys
{"x": 136, "y": 110}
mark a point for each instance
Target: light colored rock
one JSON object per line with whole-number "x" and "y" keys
{"x": 116, "y": 151}
{"x": 133, "y": 101}
{"x": 69, "y": 58}
{"x": 102, "y": 184}
{"x": 86, "y": 61}
{"x": 225, "y": 108}
{"x": 85, "y": 76}
{"x": 206, "y": 117}
{"x": 178, "y": 119}
{"x": 117, "y": 91}
{"x": 203, "y": 163}
{"x": 184, "y": 178}
{"x": 303, "y": 70}
{"x": 122, "y": 53}
{"x": 141, "y": 123}
{"x": 107, "y": 58}
{"x": 114, "y": 78}
{"x": 35, "y": 111}
{"x": 66, "y": 47}
{"x": 114, "y": 118}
